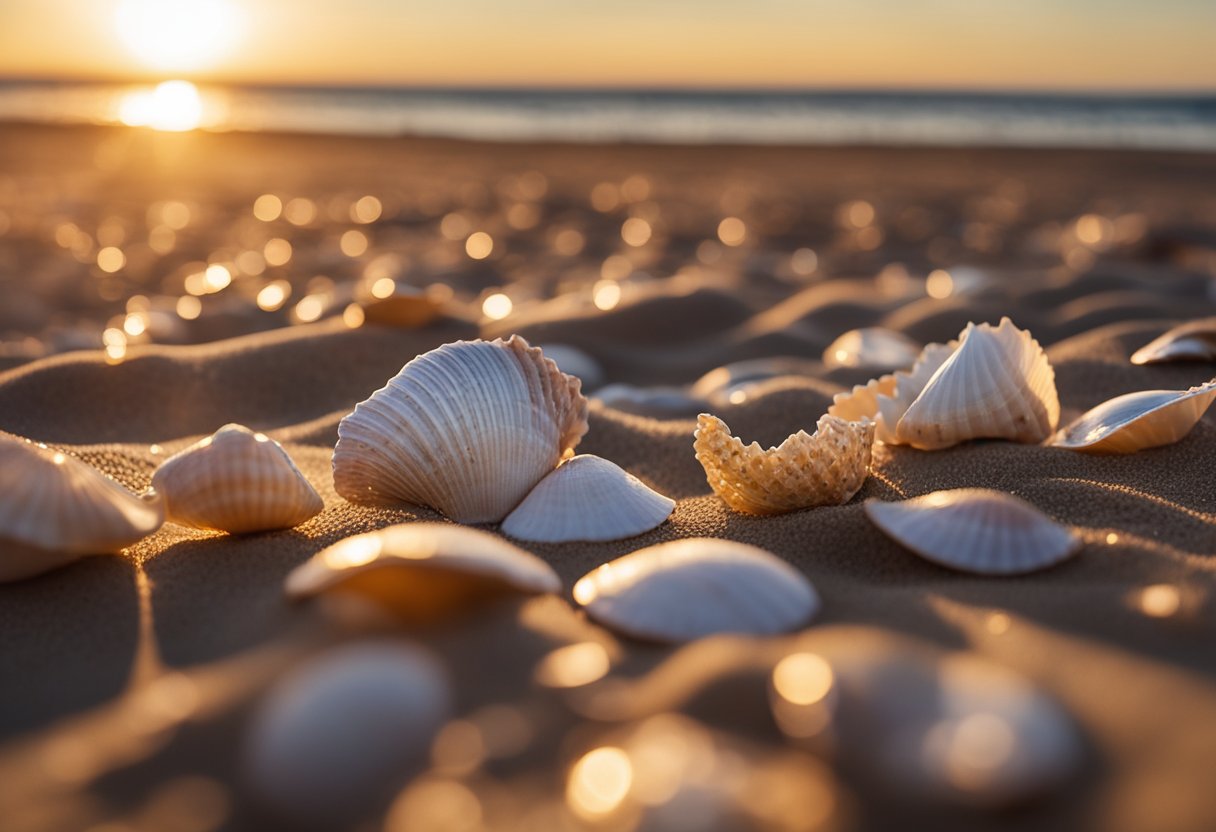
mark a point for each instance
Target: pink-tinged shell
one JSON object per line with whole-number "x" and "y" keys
{"x": 826, "y": 468}
{"x": 688, "y": 589}
{"x": 468, "y": 429}
{"x": 1193, "y": 341}
{"x": 587, "y": 498}
{"x": 1133, "y": 422}
{"x": 55, "y": 509}
{"x": 235, "y": 481}
{"x": 976, "y": 530}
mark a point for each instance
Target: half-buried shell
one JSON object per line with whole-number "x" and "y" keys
{"x": 1193, "y": 341}
{"x": 1133, "y": 422}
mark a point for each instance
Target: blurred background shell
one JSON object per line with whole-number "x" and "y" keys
{"x": 1192, "y": 341}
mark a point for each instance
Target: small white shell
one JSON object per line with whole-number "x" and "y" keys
{"x": 826, "y": 468}
{"x": 687, "y": 589}
{"x": 1193, "y": 341}
{"x": 976, "y": 530}
{"x": 418, "y": 570}
{"x": 55, "y": 509}
{"x": 876, "y": 347}
{"x": 235, "y": 481}
{"x": 587, "y": 498}
{"x": 468, "y": 429}
{"x": 1136, "y": 421}
{"x": 345, "y": 731}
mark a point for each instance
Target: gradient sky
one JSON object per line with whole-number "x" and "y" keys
{"x": 1014, "y": 44}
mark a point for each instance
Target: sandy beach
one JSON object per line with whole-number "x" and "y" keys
{"x": 128, "y": 683}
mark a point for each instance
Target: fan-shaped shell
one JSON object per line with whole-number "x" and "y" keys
{"x": 826, "y": 468}
{"x": 235, "y": 481}
{"x": 1130, "y": 423}
{"x": 55, "y": 509}
{"x": 687, "y": 589}
{"x": 976, "y": 530}
{"x": 344, "y": 731}
{"x": 468, "y": 429}
{"x": 876, "y": 347}
{"x": 1193, "y": 341}
{"x": 587, "y": 498}
{"x": 417, "y": 570}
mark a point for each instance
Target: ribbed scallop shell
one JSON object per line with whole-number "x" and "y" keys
{"x": 587, "y": 498}
{"x": 55, "y": 509}
{"x": 235, "y": 481}
{"x": 419, "y": 569}
{"x": 687, "y": 589}
{"x": 876, "y": 347}
{"x": 468, "y": 429}
{"x": 1193, "y": 341}
{"x": 826, "y": 468}
{"x": 1133, "y": 422}
{"x": 976, "y": 530}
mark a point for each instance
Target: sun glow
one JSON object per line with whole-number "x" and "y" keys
{"x": 178, "y": 35}
{"x": 172, "y": 105}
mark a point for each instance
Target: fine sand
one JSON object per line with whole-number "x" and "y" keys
{"x": 127, "y": 683}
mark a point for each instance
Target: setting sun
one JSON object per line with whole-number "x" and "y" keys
{"x": 178, "y": 34}
{"x": 172, "y": 105}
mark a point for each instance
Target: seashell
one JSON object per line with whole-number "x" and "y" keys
{"x": 686, "y": 589}
{"x": 420, "y": 570}
{"x": 993, "y": 382}
{"x": 1136, "y": 421}
{"x": 826, "y": 468}
{"x": 717, "y": 386}
{"x": 468, "y": 429}
{"x": 55, "y": 509}
{"x": 976, "y": 530}
{"x": 391, "y": 302}
{"x": 587, "y": 498}
{"x": 652, "y": 402}
{"x": 574, "y": 362}
{"x": 877, "y": 347}
{"x": 235, "y": 481}
{"x": 344, "y": 731}
{"x": 1193, "y": 341}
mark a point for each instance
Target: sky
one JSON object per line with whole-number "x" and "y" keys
{"x": 1116, "y": 45}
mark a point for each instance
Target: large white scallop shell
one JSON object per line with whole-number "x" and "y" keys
{"x": 468, "y": 429}
{"x": 686, "y": 589}
{"x": 1192, "y": 341}
{"x": 55, "y": 509}
{"x": 344, "y": 731}
{"x": 419, "y": 570}
{"x": 235, "y": 481}
{"x": 1133, "y": 422}
{"x": 874, "y": 347}
{"x": 976, "y": 530}
{"x": 587, "y": 498}
{"x": 826, "y": 468}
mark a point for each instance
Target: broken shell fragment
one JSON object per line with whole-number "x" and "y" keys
{"x": 1193, "y": 341}
{"x": 55, "y": 509}
{"x": 826, "y": 468}
{"x": 587, "y": 498}
{"x": 876, "y": 347}
{"x": 686, "y": 589}
{"x": 467, "y": 429}
{"x": 421, "y": 570}
{"x": 1133, "y": 422}
{"x": 235, "y": 481}
{"x": 976, "y": 530}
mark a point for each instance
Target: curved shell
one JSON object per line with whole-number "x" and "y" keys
{"x": 1193, "y": 341}
{"x": 55, "y": 509}
{"x": 826, "y": 468}
{"x": 344, "y": 731}
{"x": 1136, "y": 421}
{"x": 235, "y": 481}
{"x": 418, "y": 570}
{"x": 587, "y": 498}
{"x": 882, "y": 349}
{"x": 687, "y": 589}
{"x": 468, "y": 429}
{"x": 976, "y": 530}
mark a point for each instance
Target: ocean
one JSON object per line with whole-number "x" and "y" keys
{"x": 1163, "y": 122}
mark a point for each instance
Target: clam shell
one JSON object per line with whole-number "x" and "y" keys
{"x": 344, "y": 732}
{"x": 235, "y": 481}
{"x": 468, "y": 429}
{"x": 587, "y": 498}
{"x": 55, "y": 509}
{"x": 1193, "y": 341}
{"x": 1136, "y": 421}
{"x": 976, "y": 530}
{"x": 826, "y": 468}
{"x": 419, "y": 570}
{"x": 686, "y": 589}
{"x": 876, "y": 347}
